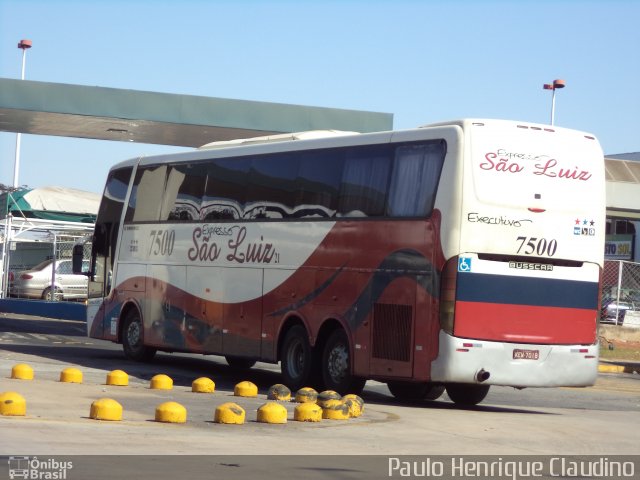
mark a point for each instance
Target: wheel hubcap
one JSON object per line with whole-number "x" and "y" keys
{"x": 338, "y": 363}
{"x": 133, "y": 334}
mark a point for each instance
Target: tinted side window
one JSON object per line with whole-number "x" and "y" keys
{"x": 389, "y": 180}
{"x": 318, "y": 183}
{"x": 415, "y": 178}
{"x": 363, "y": 190}
{"x": 146, "y": 195}
{"x": 183, "y": 193}
{"x": 271, "y": 187}
{"x": 225, "y": 192}
{"x": 108, "y": 222}
{"x": 109, "y": 214}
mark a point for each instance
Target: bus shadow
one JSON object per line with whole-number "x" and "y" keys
{"x": 41, "y": 325}
{"x": 182, "y": 369}
{"x": 377, "y": 398}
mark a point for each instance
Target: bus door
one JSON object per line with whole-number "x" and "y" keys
{"x": 105, "y": 241}
{"x": 102, "y": 305}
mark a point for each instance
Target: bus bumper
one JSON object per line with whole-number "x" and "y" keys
{"x": 463, "y": 360}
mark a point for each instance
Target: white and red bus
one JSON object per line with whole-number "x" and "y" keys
{"x": 458, "y": 255}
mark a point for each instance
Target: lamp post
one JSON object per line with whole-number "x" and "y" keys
{"x": 24, "y": 45}
{"x": 553, "y": 87}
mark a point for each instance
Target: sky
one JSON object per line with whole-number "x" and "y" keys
{"x": 424, "y": 61}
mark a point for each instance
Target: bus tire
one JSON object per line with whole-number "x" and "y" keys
{"x": 239, "y": 363}
{"x": 415, "y": 391}
{"x": 296, "y": 358}
{"x": 133, "y": 340}
{"x": 467, "y": 394}
{"x": 336, "y": 365}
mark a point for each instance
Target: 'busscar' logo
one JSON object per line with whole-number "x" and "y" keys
{"x": 531, "y": 266}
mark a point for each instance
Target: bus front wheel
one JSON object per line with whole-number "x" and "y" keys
{"x": 296, "y": 358}
{"x": 133, "y": 341}
{"x": 467, "y": 394}
{"x": 415, "y": 391}
{"x": 336, "y": 365}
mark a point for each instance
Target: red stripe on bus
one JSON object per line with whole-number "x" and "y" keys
{"x": 524, "y": 323}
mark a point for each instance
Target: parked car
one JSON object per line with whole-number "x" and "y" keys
{"x": 614, "y": 311}
{"x": 36, "y": 282}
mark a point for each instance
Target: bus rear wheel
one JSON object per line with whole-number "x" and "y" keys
{"x": 415, "y": 391}
{"x": 239, "y": 363}
{"x": 133, "y": 340}
{"x": 336, "y": 365}
{"x": 296, "y": 358}
{"x": 467, "y": 394}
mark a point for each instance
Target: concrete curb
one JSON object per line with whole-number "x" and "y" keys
{"x": 619, "y": 367}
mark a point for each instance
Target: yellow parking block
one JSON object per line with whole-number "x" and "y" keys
{"x": 117, "y": 378}
{"x": 161, "y": 382}
{"x": 229, "y": 413}
{"x": 22, "y": 371}
{"x": 71, "y": 375}
{"x": 272, "y": 412}
{"x": 12, "y": 404}
{"x": 171, "y": 412}
{"x": 106, "y": 409}
{"x": 245, "y": 389}
{"x": 203, "y": 385}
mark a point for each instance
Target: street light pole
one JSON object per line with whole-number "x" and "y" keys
{"x": 553, "y": 87}
{"x": 24, "y": 45}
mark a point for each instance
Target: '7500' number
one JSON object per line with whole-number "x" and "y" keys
{"x": 162, "y": 242}
{"x": 537, "y": 246}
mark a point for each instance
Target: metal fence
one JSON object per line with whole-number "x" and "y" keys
{"x": 43, "y": 270}
{"x": 620, "y": 291}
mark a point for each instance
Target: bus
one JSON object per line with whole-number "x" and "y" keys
{"x": 452, "y": 257}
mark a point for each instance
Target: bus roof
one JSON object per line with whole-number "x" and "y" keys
{"x": 282, "y": 137}
{"x": 268, "y": 143}
{"x": 467, "y": 122}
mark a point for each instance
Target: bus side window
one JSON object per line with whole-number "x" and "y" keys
{"x": 146, "y": 195}
{"x": 414, "y": 180}
{"x": 318, "y": 181}
{"x": 106, "y": 231}
{"x": 225, "y": 191}
{"x": 183, "y": 193}
{"x": 271, "y": 187}
{"x": 364, "y": 183}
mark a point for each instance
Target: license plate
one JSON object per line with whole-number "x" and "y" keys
{"x": 519, "y": 354}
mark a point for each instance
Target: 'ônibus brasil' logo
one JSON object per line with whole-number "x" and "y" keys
{"x": 32, "y": 468}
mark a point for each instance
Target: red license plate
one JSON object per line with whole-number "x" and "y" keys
{"x": 520, "y": 354}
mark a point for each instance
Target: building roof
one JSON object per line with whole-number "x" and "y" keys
{"x": 634, "y": 156}
{"x": 623, "y": 187}
{"x": 51, "y": 203}
{"x": 58, "y": 109}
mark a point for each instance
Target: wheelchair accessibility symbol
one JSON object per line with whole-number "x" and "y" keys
{"x": 464, "y": 264}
